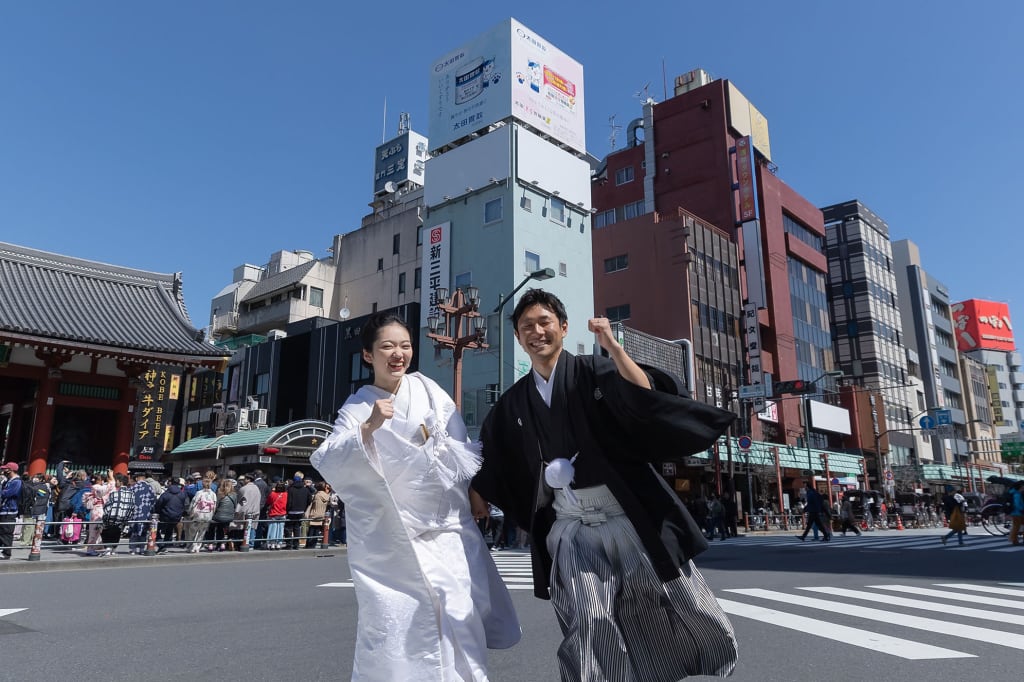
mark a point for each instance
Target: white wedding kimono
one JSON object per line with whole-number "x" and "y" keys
{"x": 430, "y": 598}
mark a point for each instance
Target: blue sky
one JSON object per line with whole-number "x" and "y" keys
{"x": 195, "y": 136}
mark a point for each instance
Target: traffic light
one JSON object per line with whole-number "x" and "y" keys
{"x": 798, "y": 387}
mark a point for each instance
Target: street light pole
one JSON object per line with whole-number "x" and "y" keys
{"x": 542, "y": 274}
{"x": 453, "y": 330}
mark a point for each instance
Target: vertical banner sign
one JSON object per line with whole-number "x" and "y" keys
{"x": 436, "y": 267}
{"x": 157, "y": 397}
{"x": 745, "y": 179}
{"x": 752, "y": 340}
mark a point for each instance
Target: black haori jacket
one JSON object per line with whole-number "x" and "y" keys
{"x": 619, "y": 429}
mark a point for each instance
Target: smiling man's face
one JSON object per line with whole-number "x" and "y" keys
{"x": 540, "y": 334}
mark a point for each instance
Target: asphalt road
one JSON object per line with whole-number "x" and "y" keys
{"x": 884, "y": 607}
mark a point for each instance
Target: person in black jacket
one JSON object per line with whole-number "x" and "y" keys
{"x": 299, "y": 497}
{"x": 35, "y": 498}
{"x": 170, "y": 507}
{"x": 568, "y": 451}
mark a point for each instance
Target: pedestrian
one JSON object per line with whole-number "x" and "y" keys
{"x": 568, "y": 452}
{"x": 10, "y": 498}
{"x": 431, "y": 601}
{"x": 316, "y": 515}
{"x": 730, "y": 512}
{"x": 277, "y": 511}
{"x": 170, "y": 506}
{"x": 144, "y": 501}
{"x": 250, "y": 500}
{"x": 223, "y": 515}
{"x": 955, "y": 505}
{"x": 815, "y": 508}
{"x": 93, "y": 501}
{"x": 1016, "y": 512}
{"x": 716, "y": 516}
{"x": 201, "y": 508}
{"x": 299, "y": 497}
{"x": 118, "y": 510}
{"x": 846, "y": 517}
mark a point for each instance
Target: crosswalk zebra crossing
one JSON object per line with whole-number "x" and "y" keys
{"x": 999, "y": 623}
{"x": 513, "y": 566}
{"x": 893, "y": 540}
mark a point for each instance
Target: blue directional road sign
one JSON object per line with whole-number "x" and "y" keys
{"x": 943, "y": 417}
{"x": 927, "y": 422}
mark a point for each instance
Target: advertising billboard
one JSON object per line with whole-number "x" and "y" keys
{"x": 507, "y": 71}
{"x": 436, "y": 268}
{"x": 982, "y": 325}
{"x": 398, "y": 160}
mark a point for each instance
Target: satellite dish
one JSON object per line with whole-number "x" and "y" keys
{"x": 345, "y": 313}
{"x": 390, "y": 187}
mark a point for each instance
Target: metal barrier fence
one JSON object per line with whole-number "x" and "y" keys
{"x": 239, "y": 535}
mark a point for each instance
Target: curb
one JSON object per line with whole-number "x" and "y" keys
{"x": 23, "y": 565}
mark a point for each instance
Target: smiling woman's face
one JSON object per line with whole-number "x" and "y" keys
{"x": 390, "y": 356}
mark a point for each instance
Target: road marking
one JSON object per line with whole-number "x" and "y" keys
{"x": 1012, "y": 640}
{"x": 953, "y": 596}
{"x": 904, "y": 648}
{"x": 983, "y": 588}
{"x": 7, "y": 612}
{"x": 344, "y": 584}
{"x": 920, "y": 604}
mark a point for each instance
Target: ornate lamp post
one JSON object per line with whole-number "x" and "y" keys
{"x": 460, "y": 327}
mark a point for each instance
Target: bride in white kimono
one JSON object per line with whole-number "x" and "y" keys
{"x": 430, "y": 599}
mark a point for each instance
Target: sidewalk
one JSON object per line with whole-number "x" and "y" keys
{"x": 57, "y": 557}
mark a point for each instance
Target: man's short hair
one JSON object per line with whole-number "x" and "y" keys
{"x": 541, "y": 298}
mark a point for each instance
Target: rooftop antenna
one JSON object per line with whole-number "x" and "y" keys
{"x": 664, "y": 81}
{"x": 644, "y": 93}
{"x": 384, "y": 131}
{"x": 615, "y": 130}
{"x": 403, "y": 123}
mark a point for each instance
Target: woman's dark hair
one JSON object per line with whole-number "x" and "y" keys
{"x": 542, "y": 298}
{"x": 320, "y": 485}
{"x": 372, "y": 328}
{"x": 281, "y": 487}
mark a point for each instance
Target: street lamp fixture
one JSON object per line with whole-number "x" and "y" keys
{"x": 539, "y": 275}
{"x": 458, "y": 326}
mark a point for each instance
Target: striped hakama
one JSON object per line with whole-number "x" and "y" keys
{"x": 620, "y": 622}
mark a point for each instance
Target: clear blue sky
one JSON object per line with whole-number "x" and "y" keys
{"x": 196, "y": 136}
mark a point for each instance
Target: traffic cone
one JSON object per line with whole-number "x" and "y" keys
{"x": 899, "y": 522}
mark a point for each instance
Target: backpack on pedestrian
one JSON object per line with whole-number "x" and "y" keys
{"x": 71, "y": 530}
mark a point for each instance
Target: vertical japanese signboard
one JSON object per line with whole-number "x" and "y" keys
{"x": 745, "y": 179}
{"x": 436, "y": 268}
{"x": 752, "y": 341}
{"x": 154, "y": 430}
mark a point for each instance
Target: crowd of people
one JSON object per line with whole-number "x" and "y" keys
{"x": 205, "y": 512}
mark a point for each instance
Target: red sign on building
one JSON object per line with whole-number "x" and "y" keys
{"x": 982, "y": 324}
{"x": 745, "y": 176}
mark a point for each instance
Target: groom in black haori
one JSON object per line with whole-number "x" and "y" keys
{"x": 568, "y": 452}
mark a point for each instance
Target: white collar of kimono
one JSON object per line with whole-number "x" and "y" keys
{"x": 545, "y": 386}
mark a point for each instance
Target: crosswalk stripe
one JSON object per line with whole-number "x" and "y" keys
{"x": 342, "y": 584}
{"x": 983, "y": 588}
{"x": 953, "y": 596}
{"x": 1014, "y": 641}
{"x": 904, "y": 648}
{"x": 920, "y": 604}
{"x": 7, "y": 612}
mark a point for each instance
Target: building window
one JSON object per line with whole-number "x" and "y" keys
{"x": 618, "y": 313}
{"x": 380, "y": 265}
{"x": 396, "y": 244}
{"x": 261, "y": 383}
{"x": 359, "y": 370}
{"x": 563, "y": 269}
{"x": 604, "y": 218}
{"x": 634, "y": 210}
{"x": 401, "y": 283}
{"x": 532, "y": 262}
{"x": 624, "y": 175}
{"x": 316, "y": 297}
{"x": 557, "y": 210}
{"x": 492, "y": 211}
{"x": 527, "y": 204}
{"x": 417, "y": 278}
{"x": 374, "y": 307}
{"x": 419, "y": 236}
{"x": 616, "y": 263}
